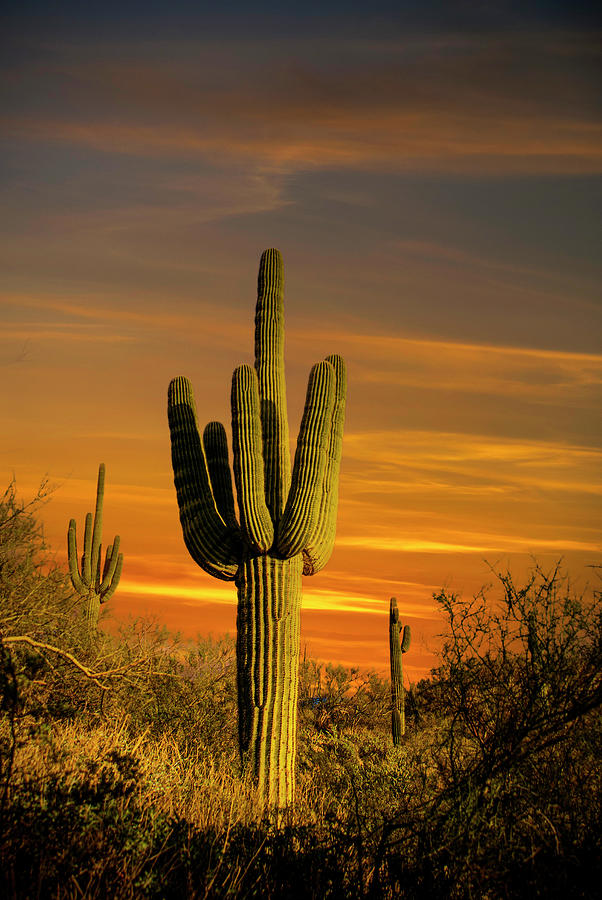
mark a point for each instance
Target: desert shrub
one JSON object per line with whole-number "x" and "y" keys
{"x": 336, "y": 696}
{"x": 35, "y": 592}
{"x": 120, "y": 776}
{"x": 515, "y": 744}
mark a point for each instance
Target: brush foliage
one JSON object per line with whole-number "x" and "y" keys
{"x": 120, "y": 774}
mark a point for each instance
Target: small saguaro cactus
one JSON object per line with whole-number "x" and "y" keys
{"x": 399, "y": 643}
{"x": 96, "y": 583}
{"x": 286, "y": 524}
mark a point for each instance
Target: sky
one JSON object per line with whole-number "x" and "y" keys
{"x": 432, "y": 176}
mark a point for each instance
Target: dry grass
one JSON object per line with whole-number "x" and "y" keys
{"x": 128, "y": 784}
{"x": 206, "y": 792}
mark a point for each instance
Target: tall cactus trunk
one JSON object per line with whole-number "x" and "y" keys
{"x": 92, "y": 611}
{"x": 398, "y": 718}
{"x": 267, "y": 650}
{"x": 399, "y": 643}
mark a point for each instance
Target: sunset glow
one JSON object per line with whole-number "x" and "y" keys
{"x": 435, "y": 192}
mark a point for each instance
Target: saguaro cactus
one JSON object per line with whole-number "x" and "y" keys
{"x": 399, "y": 643}
{"x": 96, "y": 583}
{"x": 286, "y": 524}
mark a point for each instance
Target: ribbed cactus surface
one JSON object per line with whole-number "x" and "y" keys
{"x": 399, "y": 643}
{"x": 94, "y": 581}
{"x": 285, "y": 527}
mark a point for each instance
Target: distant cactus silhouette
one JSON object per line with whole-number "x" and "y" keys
{"x": 96, "y": 583}
{"x": 286, "y": 523}
{"x": 399, "y": 643}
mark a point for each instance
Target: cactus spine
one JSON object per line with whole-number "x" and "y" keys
{"x": 399, "y": 643}
{"x": 286, "y": 524}
{"x": 96, "y": 583}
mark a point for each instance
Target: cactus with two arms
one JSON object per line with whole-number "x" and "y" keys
{"x": 399, "y": 643}
{"x": 95, "y": 582}
{"x": 285, "y": 528}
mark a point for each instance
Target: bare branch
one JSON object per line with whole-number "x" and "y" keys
{"x": 93, "y": 676}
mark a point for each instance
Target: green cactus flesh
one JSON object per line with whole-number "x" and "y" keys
{"x": 286, "y": 522}
{"x": 399, "y": 643}
{"x": 94, "y": 582}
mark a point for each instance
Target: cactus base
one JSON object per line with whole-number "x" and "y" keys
{"x": 267, "y": 653}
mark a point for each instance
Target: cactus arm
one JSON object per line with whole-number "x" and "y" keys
{"x": 108, "y": 593}
{"x": 108, "y": 556}
{"x": 76, "y": 580}
{"x": 97, "y": 532}
{"x": 317, "y": 553}
{"x": 210, "y": 542}
{"x": 110, "y": 566}
{"x": 215, "y": 444}
{"x": 255, "y": 522}
{"x": 300, "y": 519}
{"x": 87, "y": 554}
{"x": 406, "y": 639}
{"x": 399, "y": 643}
{"x": 98, "y": 572}
{"x": 269, "y": 364}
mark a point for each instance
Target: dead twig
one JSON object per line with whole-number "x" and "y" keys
{"x": 93, "y": 676}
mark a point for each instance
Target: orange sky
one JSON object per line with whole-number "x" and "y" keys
{"x": 435, "y": 203}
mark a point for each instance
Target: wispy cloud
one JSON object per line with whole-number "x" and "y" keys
{"x": 540, "y": 374}
{"x": 459, "y": 105}
{"x": 400, "y": 360}
{"x": 53, "y": 332}
{"x": 477, "y": 368}
{"x": 124, "y": 495}
{"x": 487, "y": 543}
{"x": 395, "y": 140}
{"x": 392, "y": 344}
{"x": 113, "y": 320}
{"x": 401, "y": 445}
{"x": 431, "y": 492}
{"x": 479, "y": 466}
{"x": 313, "y": 599}
{"x": 150, "y": 201}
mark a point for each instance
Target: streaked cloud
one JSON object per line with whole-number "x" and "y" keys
{"x": 313, "y": 598}
{"x": 163, "y": 201}
{"x": 401, "y": 360}
{"x": 215, "y": 594}
{"x": 478, "y": 368}
{"x": 544, "y": 464}
{"x": 406, "y": 142}
{"x": 114, "y": 322}
{"x": 402, "y": 445}
{"x": 393, "y": 346}
{"x": 456, "y": 105}
{"x": 51, "y": 332}
{"x": 120, "y": 494}
{"x": 488, "y": 543}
